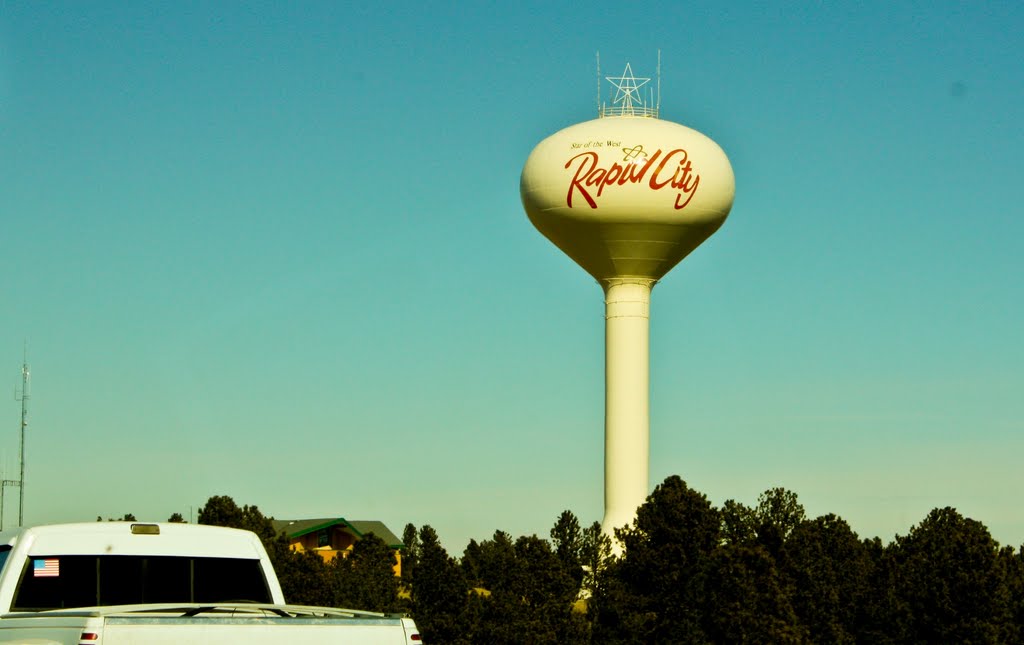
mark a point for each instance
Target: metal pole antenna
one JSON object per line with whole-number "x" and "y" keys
{"x": 657, "y": 107}
{"x": 24, "y": 423}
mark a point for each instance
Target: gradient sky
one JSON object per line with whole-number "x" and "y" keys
{"x": 276, "y": 251}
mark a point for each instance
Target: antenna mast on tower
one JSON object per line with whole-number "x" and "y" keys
{"x": 657, "y": 105}
{"x": 20, "y": 482}
{"x": 24, "y": 424}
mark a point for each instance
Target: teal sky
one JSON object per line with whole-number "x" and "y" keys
{"x": 276, "y": 251}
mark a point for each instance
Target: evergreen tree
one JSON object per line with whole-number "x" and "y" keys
{"x": 739, "y": 524}
{"x": 828, "y": 569}
{"x": 881, "y": 616}
{"x": 595, "y": 555}
{"x": 410, "y": 554}
{"x": 531, "y": 594}
{"x": 366, "y": 578}
{"x": 439, "y": 595}
{"x": 778, "y": 512}
{"x": 221, "y": 510}
{"x": 491, "y": 564}
{"x": 745, "y": 601}
{"x": 951, "y": 581}
{"x": 655, "y": 593}
{"x": 492, "y": 570}
{"x": 1013, "y": 566}
{"x": 303, "y": 576}
{"x": 546, "y": 591}
{"x": 567, "y": 540}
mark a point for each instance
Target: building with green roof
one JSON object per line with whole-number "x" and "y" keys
{"x": 330, "y": 537}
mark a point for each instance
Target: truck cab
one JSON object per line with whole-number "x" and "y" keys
{"x": 122, "y": 563}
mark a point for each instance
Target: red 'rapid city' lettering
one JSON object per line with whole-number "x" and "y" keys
{"x": 589, "y": 174}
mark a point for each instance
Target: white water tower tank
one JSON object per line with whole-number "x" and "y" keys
{"x": 627, "y": 196}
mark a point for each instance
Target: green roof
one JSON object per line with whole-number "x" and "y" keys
{"x": 359, "y": 528}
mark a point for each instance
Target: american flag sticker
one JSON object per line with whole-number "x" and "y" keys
{"x": 48, "y": 568}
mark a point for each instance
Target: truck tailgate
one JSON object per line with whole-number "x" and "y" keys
{"x": 153, "y": 630}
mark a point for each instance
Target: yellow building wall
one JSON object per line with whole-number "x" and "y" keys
{"x": 340, "y": 543}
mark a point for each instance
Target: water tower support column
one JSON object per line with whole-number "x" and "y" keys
{"x": 626, "y": 416}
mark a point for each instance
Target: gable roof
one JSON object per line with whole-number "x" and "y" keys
{"x": 359, "y": 528}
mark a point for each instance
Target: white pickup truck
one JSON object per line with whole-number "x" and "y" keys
{"x": 122, "y": 583}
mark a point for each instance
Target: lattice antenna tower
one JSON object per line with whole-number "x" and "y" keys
{"x": 23, "y": 397}
{"x": 24, "y": 424}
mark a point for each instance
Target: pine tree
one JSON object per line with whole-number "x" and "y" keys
{"x": 439, "y": 595}
{"x": 654, "y": 594}
{"x": 951, "y": 581}
{"x": 366, "y": 578}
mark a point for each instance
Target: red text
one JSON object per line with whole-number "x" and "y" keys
{"x": 674, "y": 170}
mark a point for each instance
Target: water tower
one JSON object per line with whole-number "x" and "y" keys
{"x": 627, "y": 196}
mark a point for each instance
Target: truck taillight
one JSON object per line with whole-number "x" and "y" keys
{"x": 88, "y": 637}
{"x": 415, "y": 637}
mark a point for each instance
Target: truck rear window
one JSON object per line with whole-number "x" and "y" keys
{"x": 60, "y": 582}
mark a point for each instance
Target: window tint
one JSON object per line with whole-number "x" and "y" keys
{"x": 4, "y": 552}
{"x": 71, "y": 584}
{"x": 84, "y": 581}
{"x": 228, "y": 579}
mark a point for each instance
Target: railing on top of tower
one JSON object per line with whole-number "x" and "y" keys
{"x": 629, "y": 100}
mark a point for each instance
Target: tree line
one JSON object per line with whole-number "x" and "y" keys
{"x": 689, "y": 572}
